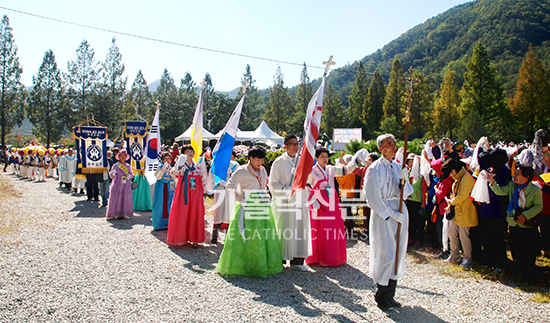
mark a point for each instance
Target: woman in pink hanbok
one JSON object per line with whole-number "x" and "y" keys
{"x": 327, "y": 226}
{"x": 121, "y": 202}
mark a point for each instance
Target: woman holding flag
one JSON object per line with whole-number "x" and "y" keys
{"x": 121, "y": 201}
{"x": 186, "y": 219}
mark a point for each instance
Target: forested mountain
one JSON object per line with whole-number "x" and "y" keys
{"x": 446, "y": 41}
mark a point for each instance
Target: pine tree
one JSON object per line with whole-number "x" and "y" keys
{"x": 12, "y": 111}
{"x": 373, "y": 110}
{"x": 170, "y": 119}
{"x": 445, "y": 114}
{"x": 394, "y": 92}
{"x": 303, "y": 96}
{"x": 482, "y": 93}
{"x": 357, "y": 100}
{"x": 421, "y": 106}
{"x": 46, "y": 101}
{"x": 305, "y": 92}
{"x": 109, "y": 97}
{"x": 139, "y": 100}
{"x": 82, "y": 77}
{"x": 188, "y": 98}
{"x": 279, "y": 104}
{"x": 252, "y": 104}
{"x": 333, "y": 111}
{"x": 531, "y": 103}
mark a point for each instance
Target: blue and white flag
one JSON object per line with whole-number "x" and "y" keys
{"x": 221, "y": 155}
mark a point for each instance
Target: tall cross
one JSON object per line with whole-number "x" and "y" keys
{"x": 411, "y": 82}
{"x": 328, "y": 64}
{"x": 158, "y": 104}
{"x": 203, "y": 84}
{"x": 244, "y": 87}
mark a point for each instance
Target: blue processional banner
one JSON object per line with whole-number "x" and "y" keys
{"x": 135, "y": 134}
{"x": 91, "y": 148}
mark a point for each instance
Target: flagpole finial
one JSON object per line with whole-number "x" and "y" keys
{"x": 328, "y": 64}
{"x": 244, "y": 87}
{"x": 157, "y": 104}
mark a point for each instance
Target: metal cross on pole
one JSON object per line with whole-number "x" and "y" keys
{"x": 328, "y": 64}
{"x": 157, "y": 103}
{"x": 411, "y": 83}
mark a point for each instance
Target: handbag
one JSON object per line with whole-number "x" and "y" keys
{"x": 451, "y": 214}
{"x": 134, "y": 185}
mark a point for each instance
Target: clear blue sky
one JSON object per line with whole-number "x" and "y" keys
{"x": 295, "y": 31}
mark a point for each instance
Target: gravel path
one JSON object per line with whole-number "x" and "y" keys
{"x": 65, "y": 262}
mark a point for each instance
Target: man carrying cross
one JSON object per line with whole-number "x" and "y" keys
{"x": 382, "y": 187}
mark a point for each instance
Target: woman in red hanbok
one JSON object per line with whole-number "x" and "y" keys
{"x": 186, "y": 220}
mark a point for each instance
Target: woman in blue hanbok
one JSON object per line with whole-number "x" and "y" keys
{"x": 164, "y": 193}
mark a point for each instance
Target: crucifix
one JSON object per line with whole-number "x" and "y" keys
{"x": 411, "y": 83}
{"x": 157, "y": 103}
{"x": 328, "y": 64}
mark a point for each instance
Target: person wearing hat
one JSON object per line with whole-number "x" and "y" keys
{"x": 121, "y": 202}
{"x": 383, "y": 191}
{"x": 34, "y": 160}
{"x": 42, "y": 165}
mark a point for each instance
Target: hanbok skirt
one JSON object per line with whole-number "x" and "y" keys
{"x": 327, "y": 231}
{"x": 186, "y": 220}
{"x": 142, "y": 194}
{"x": 258, "y": 254}
{"x": 162, "y": 202}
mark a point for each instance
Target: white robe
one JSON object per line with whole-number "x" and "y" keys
{"x": 381, "y": 186}
{"x": 70, "y": 169}
{"x": 291, "y": 217}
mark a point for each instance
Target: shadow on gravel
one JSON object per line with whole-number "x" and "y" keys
{"x": 139, "y": 218}
{"x": 421, "y": 291}
{"x": 294, "y": 289}
{"x": 413, "y": 314}
{"x": 87, "y": 209}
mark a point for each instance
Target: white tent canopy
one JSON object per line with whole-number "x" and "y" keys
{"x": 264, "y": 133}
{"x": 206, "y": 135}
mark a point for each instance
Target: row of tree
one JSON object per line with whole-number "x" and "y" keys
{"x": 89, "y": 89}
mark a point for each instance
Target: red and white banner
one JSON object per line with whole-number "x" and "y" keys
{"x": 311, "y": 134}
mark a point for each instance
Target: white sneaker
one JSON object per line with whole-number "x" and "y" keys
{"x": 299, "y": 267}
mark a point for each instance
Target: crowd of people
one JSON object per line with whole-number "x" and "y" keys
{"x": 463, "y": 203}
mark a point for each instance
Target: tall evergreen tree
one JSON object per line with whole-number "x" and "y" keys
{"x": 333, "y": 111}
{"x": 253, "y": 104}
{"x": 531, "y": 103}
{"x": 109, "y": 97}
{"x": 46, "y": 101}
{"x": 305, "y": 92}
{"x": 373, "y": 110}
{"x": 81, "y": 77}
{"x": 139, "y": 100}
{"x": 394, "y": 92}
{"x": 303, "y": 96}
{"x": 482, "y": 93}
{"x": 357, "y": 100}
{"x": 445, "y": 114}
{"x": 421, "y": 106}
{"x": 12, "y": 111}
{"x": 188, "y": 98}
{"x": 279, "y": 103}
{"x": 170, "y": 118}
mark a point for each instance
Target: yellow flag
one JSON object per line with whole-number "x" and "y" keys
{"x": 196, "y": 132}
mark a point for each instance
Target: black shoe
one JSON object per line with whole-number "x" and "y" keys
{"x": 394, "y": 303}
{"x": 384, "y": 304}
{"x": 89, "y": 199}
{"x": 214, "y": 241}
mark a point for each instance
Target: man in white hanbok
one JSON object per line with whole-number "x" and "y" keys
{"x": 382, "y": 188}
{"x": 291, "y": 216}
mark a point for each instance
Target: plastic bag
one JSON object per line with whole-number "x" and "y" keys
{"x": 480, "y": 192}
